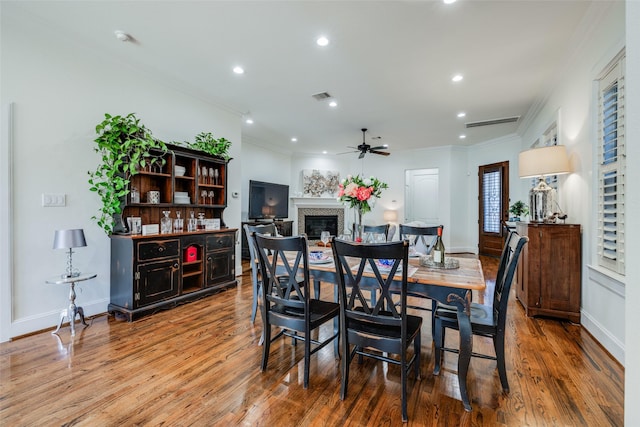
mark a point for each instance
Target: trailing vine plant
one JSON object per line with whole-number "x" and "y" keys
{"x": 125, "y": 146}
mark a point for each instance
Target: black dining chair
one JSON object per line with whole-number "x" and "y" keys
{"x": 286, "y": 300}
{"x": 256, "y": 279}
{"x": 486, "y": 320}
{"x": 420, "y": 236}
{"x": 376, "y": 329}
{"x": 370, "y": 230}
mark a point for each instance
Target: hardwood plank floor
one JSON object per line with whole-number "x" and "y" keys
{"x": 199, "y": 364}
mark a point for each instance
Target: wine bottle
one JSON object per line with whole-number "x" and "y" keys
{"x": 438, "y": 249}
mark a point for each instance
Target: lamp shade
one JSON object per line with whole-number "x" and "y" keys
{"x": 390, "y": 215}
{"x": 552, "y": 160}
{"x": 66, "y": 239}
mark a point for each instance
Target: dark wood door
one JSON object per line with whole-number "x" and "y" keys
{"x": 493, "y": 202}
{"x": 158, "y": 281}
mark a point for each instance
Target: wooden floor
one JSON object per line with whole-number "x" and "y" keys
{"x": 199, "y": 364}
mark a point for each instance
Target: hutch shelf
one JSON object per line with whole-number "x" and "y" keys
{"x": 159, "y": 271}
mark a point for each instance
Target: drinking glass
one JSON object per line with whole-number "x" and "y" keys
{"x": 212, "y": 174}
{"x": 204, "y": 174}
{"x": 203, "y": 195}
{"x": 211, "y": 195}
{"x": 324, "y": 237}
{"x": 216, "y": 175}
{"x": 379, "y": 238}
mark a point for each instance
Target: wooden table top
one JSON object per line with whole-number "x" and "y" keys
{"x": 468, "y": 276}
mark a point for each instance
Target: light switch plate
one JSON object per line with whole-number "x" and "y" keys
{"x": 54, "y": 199}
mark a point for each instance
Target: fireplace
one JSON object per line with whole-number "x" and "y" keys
{"x": 315, "y": 224}
{"x": 327, "y": 214}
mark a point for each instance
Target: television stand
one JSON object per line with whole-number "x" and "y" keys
{"x": 284, "y": 227}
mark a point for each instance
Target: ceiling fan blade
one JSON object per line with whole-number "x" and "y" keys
{"x": 362, "y": 153}
{"x": 383, "y": 153}
{"x": 349, "y": 152}
{"x": 379, "y": 147}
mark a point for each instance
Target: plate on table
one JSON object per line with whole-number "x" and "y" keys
{"x": 323, "y": 260}
{"x": 384, "y": 265}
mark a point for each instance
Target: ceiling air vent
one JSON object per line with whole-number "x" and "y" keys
{"x": 321, "y": 96}
{"x": 492, "y": 122}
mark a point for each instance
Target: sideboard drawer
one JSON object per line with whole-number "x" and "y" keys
{"x": 158, "y": 249}
{"x": 220, "y": 241}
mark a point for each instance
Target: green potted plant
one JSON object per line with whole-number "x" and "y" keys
{"x": 207, "y": 143}
{"x": 518, "y": 209}
{"x": 125, "y": 145}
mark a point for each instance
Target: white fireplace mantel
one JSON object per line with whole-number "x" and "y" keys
{"x": 306, "y": 203}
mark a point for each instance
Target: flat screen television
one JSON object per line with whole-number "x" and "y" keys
{"x": 268, "y": 200}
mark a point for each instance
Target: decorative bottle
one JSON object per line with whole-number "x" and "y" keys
{"x": 166, "y": 226}
{"x": 438, "y": 249}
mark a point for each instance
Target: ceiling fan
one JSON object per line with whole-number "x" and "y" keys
{"x": 365, "y": 148}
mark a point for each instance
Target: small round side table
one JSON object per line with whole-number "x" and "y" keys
{"x": 73, "y": 310}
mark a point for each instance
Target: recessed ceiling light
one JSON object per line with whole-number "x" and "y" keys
{"x": 333, "y": 104}
{"x": 462, "y": 114}
{"x": 294, "y": 139}
{"x": 122, "y": 36}
{"x": 249, "y": 121}
{"x": 448, "y": 1}
{"x": 463, "y": 136}
{"x": 322, "y": 41}
{"x": 324, "y": 152}
{"x": 238, "y": 69}
{"x": 457, "y": 78}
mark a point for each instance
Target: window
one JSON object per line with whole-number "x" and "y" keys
{"x": 611, "y": 167}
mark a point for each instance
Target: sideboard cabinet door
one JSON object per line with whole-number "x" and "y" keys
{"x": 548, "y": 282}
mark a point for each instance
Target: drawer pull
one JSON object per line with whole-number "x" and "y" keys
{"x": 160, "y": 249}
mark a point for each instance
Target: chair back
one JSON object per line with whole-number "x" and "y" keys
{"x": 377, "y": 229}
{"x": 269, "y": 229}
{"x": 284, "y": 289}
{"x": 420, "y": 235}
{"x": 506, "y": 271}
{"x": 351, "y": 284}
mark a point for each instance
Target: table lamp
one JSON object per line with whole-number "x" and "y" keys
{"x": 542, "y": 162}
{"x": 69, "y": 239}
{"x": 390, "y": 215}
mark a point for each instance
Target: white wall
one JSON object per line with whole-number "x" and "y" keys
{"x": 263, "y": 164}
{"x": 573, "y": 97}
{"x": 632, "y": 338}
{"x": 60, "y": 90}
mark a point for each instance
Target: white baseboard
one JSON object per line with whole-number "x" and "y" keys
{"x": 41, "y": 321}
{"x": 604, "y": 337}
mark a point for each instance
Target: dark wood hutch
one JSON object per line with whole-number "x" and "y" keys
{"x": 159, "y": 271}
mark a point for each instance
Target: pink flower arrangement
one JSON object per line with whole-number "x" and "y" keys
{"x": 357, "y": 191}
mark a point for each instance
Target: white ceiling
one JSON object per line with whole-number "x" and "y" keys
{"x": 389, "y": 63}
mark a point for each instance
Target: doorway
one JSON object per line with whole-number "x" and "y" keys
{"x": 493, "y": 203}
{"x": 421, "y": 196}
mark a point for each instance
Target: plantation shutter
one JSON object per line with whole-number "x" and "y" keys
{"x": 611, "y": 168}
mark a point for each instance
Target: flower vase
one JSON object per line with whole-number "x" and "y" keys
{"x": 358, "y": 228}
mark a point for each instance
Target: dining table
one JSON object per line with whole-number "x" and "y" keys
{"x": 451, "y": 286}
